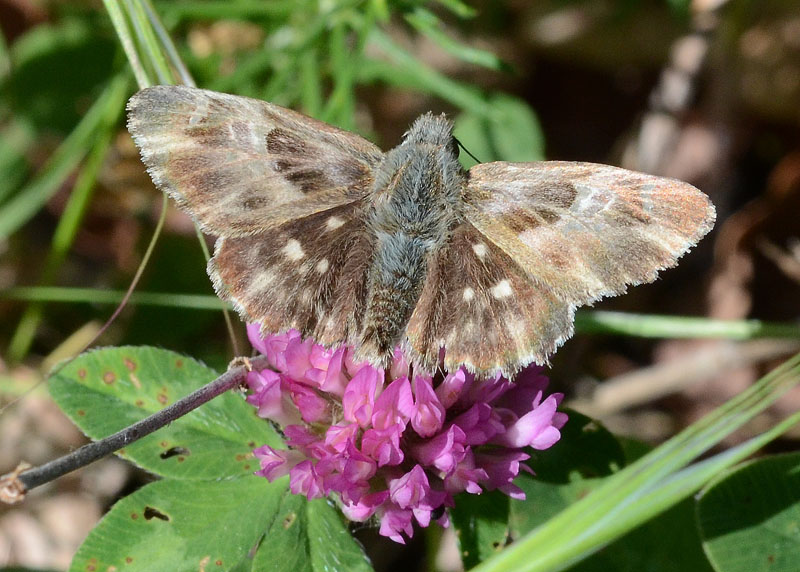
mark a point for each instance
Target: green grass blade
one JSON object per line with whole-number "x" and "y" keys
{"x": 664, "y": 494}
{"x": 650, "y": 326}
{"x": 5, "y": 59}
{"x": 458, "y": 8}
{"x": 27, "y": 202}
{"x": 93, "y": 296}
{"x": 16, "y": 139}
{"x": 340, "y": 104}
{"x": 248, "y": 67}
{"x": 149, "y": 49}
{"x": 221, "y": 9}
{"x": 67, "y": 227}
{"x": 152, "y": 51}
{"x": 404, "y": 70}
{"x": 427, "y": 24}
{"x": 170, "y": 51}
{"x": 649, "y": 485}
{"x": 310, "y": 87}
{"x": 120, "y": 22}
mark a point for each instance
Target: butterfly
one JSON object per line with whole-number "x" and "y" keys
{"x": 321, "y": 231}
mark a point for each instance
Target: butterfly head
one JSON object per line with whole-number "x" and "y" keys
{"x": 430, "y": 129}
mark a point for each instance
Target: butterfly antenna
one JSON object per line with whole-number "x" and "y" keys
{"x": 460, "y": 144}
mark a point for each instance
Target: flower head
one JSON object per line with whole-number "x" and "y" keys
{"x": 392, "y": 444}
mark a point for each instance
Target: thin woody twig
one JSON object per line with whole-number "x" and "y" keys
{"x": 14, "y": 485}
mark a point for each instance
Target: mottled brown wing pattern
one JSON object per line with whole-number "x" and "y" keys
{"x": 240, "y": 165}
{"x": 582, "y": 230}
{"x": 485, "y": 309}
{"x": 293, "y": 201}
{"x": 307, "y": 274}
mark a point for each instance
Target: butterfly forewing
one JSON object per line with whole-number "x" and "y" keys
{"x": 583, "y": 230}
{"x": 240, "y": 165}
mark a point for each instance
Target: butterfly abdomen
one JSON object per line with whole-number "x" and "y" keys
{"x": 415, "y": 207}
{"x": 394, "y": 285}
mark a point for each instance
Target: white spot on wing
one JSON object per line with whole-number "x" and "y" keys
{"x": 527, "y": 236}
{"x": 502, "y": 289}
{"x": 261, "y": 281}
{"x": 480, "y": 249}
{"x": 334, "y": 222}
{"x": 322, "y": 266}
{"x": 590, "y": 200}
{"x": 293, "y": 250}
{"x": 468, "y": 294}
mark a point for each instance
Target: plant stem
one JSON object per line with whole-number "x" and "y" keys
{"x": 652, "y": 326}
{"x": 97, "y": 296}
{"x": 87, "y": 454}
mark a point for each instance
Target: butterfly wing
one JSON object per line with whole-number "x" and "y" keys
{"x": 583, "y": 230}
{"x": 485, "y": 310}
{"x": 308, "y": 274}
{"x": 241, "y": 165}
{"x": 539, "y": 240}
{"x": 284, "y": 193}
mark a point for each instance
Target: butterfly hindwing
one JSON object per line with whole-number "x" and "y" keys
{"x": 241, "y": 165}
{"x": 307, "y": 274}
{"x": 485, "y": 310}
{"x": 585, "y": 230}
